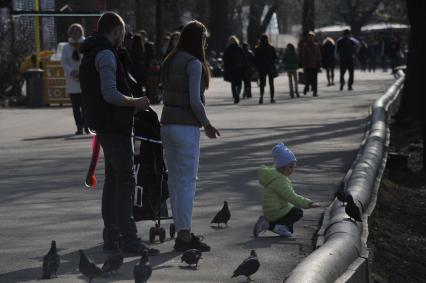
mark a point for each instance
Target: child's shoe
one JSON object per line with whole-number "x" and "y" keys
{"x": 261, "y": 226}
{"x": 282, "y": 230}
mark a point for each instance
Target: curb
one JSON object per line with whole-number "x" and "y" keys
{"x": 342, "y": 254}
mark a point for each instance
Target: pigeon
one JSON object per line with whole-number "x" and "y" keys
{"x": 352, "y": 210}
{"x": 248, "y": 267}
{"x": 142, "y": 270}
{"x": 342, "y": 196}
{"x": 191, "y": 257}
{"x": 223, "y": 215}
{"x": 51, "y": 262}
{"x": 114, "y": 261}
{"x": 87, "y": 267}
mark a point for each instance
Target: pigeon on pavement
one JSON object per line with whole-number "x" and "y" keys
{"x": 352, "y": 210}
{"x": 248, "y": 267}
{"x": 114, "y": 261}
{"x": 191, "y": 257}
{"x": 87, "y": 267}
{"x": 142, "y": 270}
{"x": 223, "y": 215}
{"x": 51, "y": 262}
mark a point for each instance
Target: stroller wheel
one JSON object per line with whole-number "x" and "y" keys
{"x": 172, "y": 230}
{"x": 162, "y": 234}
{"x": 152, "y": 234}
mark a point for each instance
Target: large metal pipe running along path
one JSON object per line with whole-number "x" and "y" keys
{"x": 342, "y": 254}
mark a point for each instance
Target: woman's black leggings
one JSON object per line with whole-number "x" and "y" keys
{"x": 262, "y": 78}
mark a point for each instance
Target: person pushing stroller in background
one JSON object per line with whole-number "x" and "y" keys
{"x": 282, "y": 206}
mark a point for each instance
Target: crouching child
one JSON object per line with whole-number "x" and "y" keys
{"x": 282, "y": 206}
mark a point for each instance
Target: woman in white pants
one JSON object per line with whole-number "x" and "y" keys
{"x": 185, "y": 75}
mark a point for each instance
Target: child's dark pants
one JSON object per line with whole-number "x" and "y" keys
{"x": 288, "y": 220}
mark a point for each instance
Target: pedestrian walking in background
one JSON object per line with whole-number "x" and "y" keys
{"x": 128, "y": 39}
{"x": 311, "y": 62}
{"x": 363, "y": 55}
{"x": 142, "y": 54}
{"x": 110, "y": 107}
{"x": 373, "y": 51}
{"x": 250, "y": 70}
{"x": 235, "y": 66}
{"x": 265, "y": 57}
{"x": 383, "y": 51}
{"x": 185, "y": 75}
{"x": 346, "y": 49}
{"x": 70, "y": 60}
{"x": 173, "y": 41}
{"x": 291, "y": 64}
{"x": 394, "y": 53}
{"x": 328, "y": 59}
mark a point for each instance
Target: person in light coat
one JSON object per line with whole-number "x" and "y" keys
{"x": 70, "y": 60}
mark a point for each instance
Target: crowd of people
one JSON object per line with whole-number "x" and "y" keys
{"x": 239, "y": 64}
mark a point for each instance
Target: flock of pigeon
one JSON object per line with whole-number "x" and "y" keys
{"x": 142, "y": 270}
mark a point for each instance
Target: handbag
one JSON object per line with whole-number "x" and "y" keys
{"x": 301, "y": 78}
{"x": 274, "y": 71}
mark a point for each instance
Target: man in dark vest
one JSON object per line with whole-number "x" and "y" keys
{"x": 110, "y": 106}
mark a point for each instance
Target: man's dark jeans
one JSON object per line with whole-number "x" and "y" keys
{"x": 117, "y": 206}
{"x": 289, "y": 219}
{"x": 311, "y": 80}
{"x": 347, "y": 65}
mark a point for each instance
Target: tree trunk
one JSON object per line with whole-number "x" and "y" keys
{"x": 255, "y": 14}
{"x": 158, "y": 27}
{"x": 308, "y": 16}
{"x": 267, "y": 18}
{"x": 356, "y": 29}
{"x": 411, "y": 104}
{"x": 219, "y": 24}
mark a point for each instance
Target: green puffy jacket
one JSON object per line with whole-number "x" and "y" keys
{"x": 279, "y": 197}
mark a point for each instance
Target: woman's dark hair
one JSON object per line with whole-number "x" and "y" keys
{"x": 191, "y": 40}
{"x": 109, "y": 21}
{"x": 291, "y": 47}
{"x": 264, "y": 41}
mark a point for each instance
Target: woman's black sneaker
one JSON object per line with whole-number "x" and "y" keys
{"x": 137, "y": 247}
{"x": 195, "y": 243}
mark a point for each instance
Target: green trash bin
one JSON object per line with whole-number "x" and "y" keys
{"x": 34, "y": 80}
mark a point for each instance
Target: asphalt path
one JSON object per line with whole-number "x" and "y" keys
{"x": 43, "y": 166}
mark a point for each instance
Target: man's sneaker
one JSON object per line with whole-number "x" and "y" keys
{"x": 282, "y": 230}
{"x": 137, "y": 247}
{"x": 195, "y": 243}
{"x": 261, "y": 226}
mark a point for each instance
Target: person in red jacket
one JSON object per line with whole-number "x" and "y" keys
{"x": 311, "y": 62}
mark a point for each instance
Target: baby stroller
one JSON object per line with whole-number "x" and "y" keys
{"x": 151, "y": 193}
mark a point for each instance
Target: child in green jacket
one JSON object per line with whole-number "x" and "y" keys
{"x": 281, "y": 205}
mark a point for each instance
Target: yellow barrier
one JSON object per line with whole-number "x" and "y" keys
{"x": 53, "y": 78}
{"x": 54, "y": 83}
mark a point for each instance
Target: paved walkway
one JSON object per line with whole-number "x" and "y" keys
{"x": 42, "y": 168}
